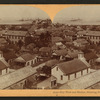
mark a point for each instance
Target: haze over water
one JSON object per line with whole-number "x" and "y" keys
{"x": 88, "y": 14}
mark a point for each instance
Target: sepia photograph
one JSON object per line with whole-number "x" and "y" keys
{"x": 39, "y": 53}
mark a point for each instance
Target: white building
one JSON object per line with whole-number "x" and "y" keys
{"x": 26, "y": 60}
{"x": 93, "y": 36}
{"x": 15, "y": 36}
{"x": 71, "y": 69}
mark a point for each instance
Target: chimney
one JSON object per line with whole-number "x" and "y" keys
{"x": 81, "y": 55}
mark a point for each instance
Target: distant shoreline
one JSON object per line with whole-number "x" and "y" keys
{"x": 16, "y": 22}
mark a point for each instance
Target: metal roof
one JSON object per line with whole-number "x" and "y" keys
{"x": 15, "y": 33}
{"x": 16, "y": 76}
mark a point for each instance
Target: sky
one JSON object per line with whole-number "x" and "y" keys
{"x": 88, "y": 14}
{"x": 13, "y": 12}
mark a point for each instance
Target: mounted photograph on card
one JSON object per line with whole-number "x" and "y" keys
{"x": 49, "y": 48}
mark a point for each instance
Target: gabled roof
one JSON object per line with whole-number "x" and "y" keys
{"x": 62, "y": 52}
{"x": 28, "y": 56}
{"x": 54, "y": 47}
{"x": 59, "y": 43}
{"x": 45, "y": 49}
{"x": 83, "y": 41}
{"x": 72, "y": 66}
{"x": 25, "y": 57}
{"x": 73, "y": 54}
{"x": 3, "y": 64}
{"x": 98, "y": 60}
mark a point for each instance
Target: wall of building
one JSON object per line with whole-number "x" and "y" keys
{"x": 31, "y": 62}
{"x": 78, "y": 74}
{"x": 15, "y": 39}
{"x": 5, "y": 71}
{"x": 94, "y": 39}
{"x": 58, "y": 74}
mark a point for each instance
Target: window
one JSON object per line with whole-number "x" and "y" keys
{"x": 15, "y": 37}
{"x": 6, "y": 70}
{"x": 27, "y": 63}
{"x": 75, "y": 75}
{"x": 61, "y": 77}
{"x": 32, "y": 62}
{"x": 53, "y": 83}
{"x": 12, "y": 37}
{"x": 82, "y": 72}
{"x": 35, "y": 61}
{"x": 68, "y": 77}
{"x": 15, "y": 42}
{"x": 56, "y": 68}
{"x": 12, "y": 42}
{"x": 96, "y": 42}
{"x": 18, "y": 37}
{"x": 21, "y": 84}
{"x": 87, "y": 70}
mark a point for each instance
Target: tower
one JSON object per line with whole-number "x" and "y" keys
{"x": 81, "y": 55}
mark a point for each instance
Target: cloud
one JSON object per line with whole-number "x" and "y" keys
{"x": 18, "y": 12}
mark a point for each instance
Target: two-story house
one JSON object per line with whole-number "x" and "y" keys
{"x": 26, "y": 60}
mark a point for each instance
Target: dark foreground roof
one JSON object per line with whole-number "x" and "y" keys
{"x": 28, "y": 56}
{"x": 3, "y": 64}
{"x": 16, "y": 76}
